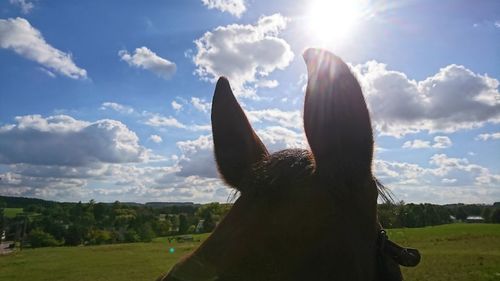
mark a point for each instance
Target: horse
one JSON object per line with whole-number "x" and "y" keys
{"x": 301, "y": 214}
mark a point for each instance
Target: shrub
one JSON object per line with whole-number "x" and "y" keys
{"x": 39, "y": 238}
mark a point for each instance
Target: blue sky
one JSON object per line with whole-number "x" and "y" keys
{"x": 110, "y": 100}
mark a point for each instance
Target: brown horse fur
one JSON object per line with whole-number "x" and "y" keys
{"x": 301, "y": 215}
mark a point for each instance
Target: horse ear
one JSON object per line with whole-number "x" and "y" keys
{"x": 336, "y": 119}
{"x": 236, "y": 145}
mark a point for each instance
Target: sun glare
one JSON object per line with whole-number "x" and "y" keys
{"x": 330, "y": 20}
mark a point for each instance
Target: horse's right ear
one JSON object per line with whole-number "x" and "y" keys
{"x": 236, "y": 145}
{"x": 336, "y": 118}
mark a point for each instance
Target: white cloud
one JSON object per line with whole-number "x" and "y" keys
{"x": 155, "y": 138}
{"x": 447, "y": 180}
{"x": 63, "y": 140}
{"x": 267, "y": 83}
{"x": 246, "y": 54}
{"x": 289, "y": 119}
{"x": 234, "y": 7}
{"x": 48, "y": 72}
{"x": 62, "y": 158}
{"x": 18, "y": 35}
{"x": 415, "y": 144}
{"x": 157, "y": 120}
{"x": 278, "y": 138}
{"x": 117, "y": 107}
{"x": 162, "y": 121}
{"x": 497, "y": 24}
{"x": 197, "y": 158}
{"x": 442, "y": 142}
{"x": 200, "y": 104}
{"x": 25, "y": 5}
{"x": 455, "y": 98}
{"x": 439, "y": 142}
{"x": 146, "y": 59}
{"x": 491, "y": 136}
{"x": 176, "y": 106}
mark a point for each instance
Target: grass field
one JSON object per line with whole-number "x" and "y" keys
{"x": 449, "y": 252}
{"x": 12, "y": 212}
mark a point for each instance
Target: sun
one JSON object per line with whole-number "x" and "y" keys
{"x": 330, "y": 20}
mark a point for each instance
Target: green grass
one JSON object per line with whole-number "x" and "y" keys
{"x": 453, "y": 252}
{"x": 449, "y": 252}
{"x": 12, "y": 212}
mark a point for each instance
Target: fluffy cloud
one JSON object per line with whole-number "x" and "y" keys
{"x": 442, "y": 142}
{"x": 278, "y": 138}
{"x": 155, "y": 138}
{"x": 18, "y": 35}
{"x": 176, "y": 106}
{"x": 454, "y": 98}
{"x": 13, "y": 184}
{"x": 200, "y": 104}
{"x": 447, "y": 179}
{"x": 439, "y": 142}
{"x": 485, "y": 137}
{"x": 117, "y": 107}
{"x": 63, "y": 140}
{"x": 162, "y": 121}
{"x": 234, "y": 7}
{"x": 146, "y": 59}
{"x": 25, "y": 6}
{"x": 197, "y": 158}
{"x": 289, "y": 119}
{"x": 243, "y": 53}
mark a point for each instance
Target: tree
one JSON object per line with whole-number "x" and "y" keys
{"x": 461, "y": 214}
{"x": 132, "y": 236}
{"x": 1, "y": 224}
{"x": 486, "y": 214}
{"x": 495, "y": 216}
{"x": 183, "y": 224}
{"x": 208, "y": 223}
{"x": 74, "y": 236}
{"x": 38, "y": 238}
{"x": 146, "y": 233}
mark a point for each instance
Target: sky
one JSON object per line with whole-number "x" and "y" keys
{"x": 110, "y": 100}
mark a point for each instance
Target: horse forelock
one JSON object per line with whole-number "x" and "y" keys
{"x": 279, "y": 170}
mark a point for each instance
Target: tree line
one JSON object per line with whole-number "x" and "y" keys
{"x": 419, "y": 215}
{"x": 46, "y": 223}
{"x": 92, "y": 223}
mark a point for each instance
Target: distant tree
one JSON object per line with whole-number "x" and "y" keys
{"x": 208, "y": 222}
{"x": 146, "y": 233}
{"x": 132, "y": 236}
{"x": 495, "y": 216}
{"x": 74, "y": 236}
{"x": 38, "y": 238}
{"x": 99, "y": 237}
{"x": 162, "y": 228}
{"x": 461, "y": 214}
{"x": 2, "y": 223}
{"x": 486, "y": 214}
{"x": 183, "y": 224}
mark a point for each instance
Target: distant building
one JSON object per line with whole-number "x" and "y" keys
{"x": 199, "y": 226}
{"x": 474, "y": 219}
{"x": 453, "y": 218}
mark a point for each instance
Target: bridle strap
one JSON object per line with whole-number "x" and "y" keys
{"x": 408, "y": 257}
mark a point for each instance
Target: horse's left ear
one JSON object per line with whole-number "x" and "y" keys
{"x": 236, "y": 145}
